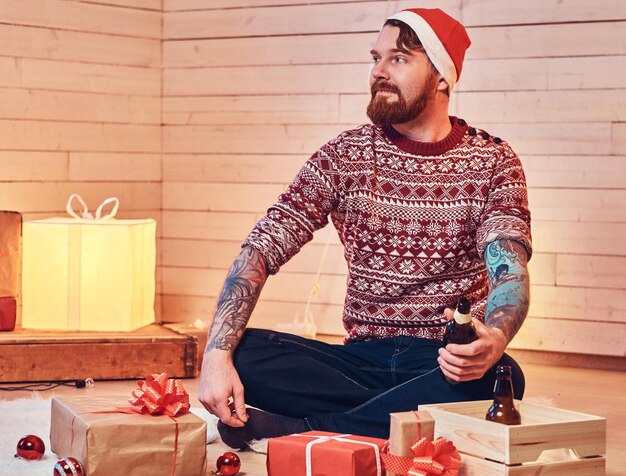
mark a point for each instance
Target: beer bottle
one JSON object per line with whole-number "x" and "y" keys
{"x": 503, "y": 410}
{"x": 460, "y": 330}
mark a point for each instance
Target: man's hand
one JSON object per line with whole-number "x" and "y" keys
{"x": 462, "y": 363}
{"x": 219, "y": 381}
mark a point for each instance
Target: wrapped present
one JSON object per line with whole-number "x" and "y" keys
{"x": 8, "y": 308}
{"x": 321, "y": 453}
{"x": 406, "y": 428}
{"x": 154, "y": 436}
{"x": 85, "y": 272}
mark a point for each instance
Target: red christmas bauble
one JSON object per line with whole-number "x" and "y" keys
{"x": 31, "y": 447}
{"x": 68, "y": 466}
{"x": 228, "y": 464}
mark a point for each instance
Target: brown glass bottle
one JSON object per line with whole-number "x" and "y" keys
{"x": 460, "y": 330}
{"x": 503, "y": 409}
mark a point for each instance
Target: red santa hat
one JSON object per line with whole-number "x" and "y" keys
{"x": 444, "y": 39}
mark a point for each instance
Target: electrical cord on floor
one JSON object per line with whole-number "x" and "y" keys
{"x": 44, "y": 386}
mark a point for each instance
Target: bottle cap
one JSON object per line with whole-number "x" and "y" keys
{"x": 503, "y": 369}
{"x": 462, "y": 313}
{"x": 463, "y": 305}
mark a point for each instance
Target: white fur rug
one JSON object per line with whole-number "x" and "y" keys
{"x": 19, "y": 418}
{"x": 32, "y": 416}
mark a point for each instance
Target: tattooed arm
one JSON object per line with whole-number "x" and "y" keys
{"x": 507, "y": 305}
{"x": 509, "y": 288}
{"x": 219, "y": 379}
{"x": 241, "y": 291}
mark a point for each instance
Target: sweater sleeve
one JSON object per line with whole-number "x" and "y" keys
{"x": 300, "y": 211}
{"x": 506, "y": 214}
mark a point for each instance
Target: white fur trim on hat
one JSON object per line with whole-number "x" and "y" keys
{"x": 432, "y": 44}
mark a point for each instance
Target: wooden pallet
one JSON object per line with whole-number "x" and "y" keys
{"x": 28, "y": 355}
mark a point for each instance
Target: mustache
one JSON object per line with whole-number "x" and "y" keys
{"x": 384, "y": 86}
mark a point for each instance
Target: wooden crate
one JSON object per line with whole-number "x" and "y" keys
{"x": 550, "y": 441}
{"x": 199, "y": 334}
{"x": 35, "y": 356}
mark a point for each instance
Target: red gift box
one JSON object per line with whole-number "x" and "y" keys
{"x": 8, "y": 309}
{"x": 320, "y": 453}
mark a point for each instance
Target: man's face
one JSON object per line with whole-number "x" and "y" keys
{"x": 402, "y": 82}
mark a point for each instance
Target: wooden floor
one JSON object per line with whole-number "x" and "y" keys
{"x": 598, "y": 392}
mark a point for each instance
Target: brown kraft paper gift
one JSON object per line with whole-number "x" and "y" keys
{"x": 406, "y": 428}
{"x": 110, "y": 442}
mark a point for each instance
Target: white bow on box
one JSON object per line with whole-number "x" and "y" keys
{"x": 85, "y": 214}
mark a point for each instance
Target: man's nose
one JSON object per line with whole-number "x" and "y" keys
{"x": 379, "y": 71}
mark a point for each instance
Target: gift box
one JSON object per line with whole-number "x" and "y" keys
{"x": 107, "y": 441}
{"x": 321, "y": 453}
{"x": 406, "y": 428}
{"x": 8, "y": 308}
{"x": 90, "y": 274}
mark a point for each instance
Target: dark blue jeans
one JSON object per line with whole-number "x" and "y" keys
{"x": 351, "y": 388}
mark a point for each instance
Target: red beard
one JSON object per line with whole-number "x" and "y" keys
{"x": 384, "y": 112}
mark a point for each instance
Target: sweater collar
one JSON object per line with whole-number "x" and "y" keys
{"x": 459, "y": 127}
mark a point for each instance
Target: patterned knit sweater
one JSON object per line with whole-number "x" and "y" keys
{"x": 414, "y": 218}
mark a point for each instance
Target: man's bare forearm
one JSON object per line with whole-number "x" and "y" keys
{"x": 509, "y": 290}
{"x": 241, "y": 291}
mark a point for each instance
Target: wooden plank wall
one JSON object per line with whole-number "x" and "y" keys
{"x": 80, "y": 95}
{"x": 252, "y": 87}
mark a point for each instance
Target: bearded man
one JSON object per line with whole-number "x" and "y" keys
{"x": 429, "y": 209}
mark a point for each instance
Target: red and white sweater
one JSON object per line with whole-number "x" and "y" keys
{"x": 414, "y": 218}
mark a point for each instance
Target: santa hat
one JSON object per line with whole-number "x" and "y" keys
{"x": 444, "y": 39}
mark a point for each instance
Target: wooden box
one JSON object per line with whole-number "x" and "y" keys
{"x": 550, "y": 441}
{"x": 35, "y": 356}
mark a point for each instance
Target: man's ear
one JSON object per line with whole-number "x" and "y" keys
{"x": 442, "y": 85}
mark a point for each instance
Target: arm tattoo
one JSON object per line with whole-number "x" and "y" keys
{"x": 509, "y": 290}
{"x": 237, "y": 300}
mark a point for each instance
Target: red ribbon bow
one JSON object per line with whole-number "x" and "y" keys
{"x": 438, "y": 458}
{"x": 159, "y": 395}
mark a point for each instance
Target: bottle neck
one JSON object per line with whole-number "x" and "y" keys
{"x": 461, "y": 318}
{"x": 503, "y": 388}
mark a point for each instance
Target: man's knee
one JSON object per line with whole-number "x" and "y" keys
{"x": 252, "y": 334}
{"x": 254, "y": 345}
{"x": 246, "y": 346}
